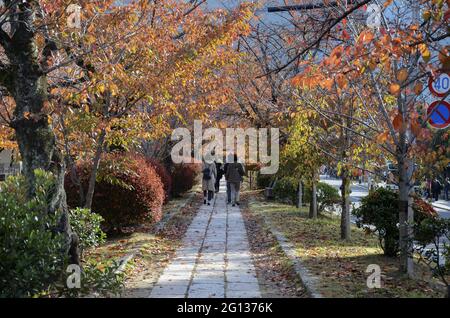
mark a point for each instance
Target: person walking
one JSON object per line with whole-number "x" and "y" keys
{"x": 225, "y": 168}
{"x": 436, "y": 189}
{"x": 209, "y": 179}
{"x": 234, "y": 175}
{"x": 447, "y": 187}
{"x": 220, "y": 173}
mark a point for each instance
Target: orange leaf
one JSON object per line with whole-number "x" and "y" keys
{"x": 402, "y": 75}
{"x": 366, "y": 37}
{"x": 328, "y": 83}
{"x": 381, "y": 138}
{"x": 418, "y": 88}
{"x": 341, "y": 81}
{"x": 416, "y": 128}
{"x": 394, "y": 89}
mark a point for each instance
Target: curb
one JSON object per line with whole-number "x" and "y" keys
{"x": 308, "y": 280}
{"x": 440, "y": 206}
{"x": 124, "y": 261}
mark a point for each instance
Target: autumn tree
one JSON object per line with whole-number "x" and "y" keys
{"x": 386, "y": 68}
{"x": 103, "y": 69}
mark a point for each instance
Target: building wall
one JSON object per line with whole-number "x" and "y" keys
{"x": 5, "y": 157}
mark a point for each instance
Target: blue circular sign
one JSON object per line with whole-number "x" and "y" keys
{"x": 439, "y": 114}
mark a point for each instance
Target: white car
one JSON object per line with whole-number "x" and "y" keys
{"x": 390, "y": 186}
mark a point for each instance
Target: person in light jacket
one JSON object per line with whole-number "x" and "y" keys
{"x": 235, "y": 175}
{"x": 209, "y": 175}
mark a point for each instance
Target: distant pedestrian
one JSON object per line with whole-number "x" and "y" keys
{"x": 209, "y": 179}
{"x": 429, "y": 194}
{"x": 235, "y": 176}
{"x": 436, "y": 188}
{"x": 447, "y": 187}
{"x": 225, "y": 168}
{"x": 219, "y": 169}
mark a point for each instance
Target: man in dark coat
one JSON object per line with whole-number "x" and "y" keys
{"x": 436, "y": 188}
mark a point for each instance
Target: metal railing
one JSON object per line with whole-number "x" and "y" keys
{"x": 9, "y": 171}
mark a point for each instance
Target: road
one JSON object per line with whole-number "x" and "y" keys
{"x": 359, "y": 191}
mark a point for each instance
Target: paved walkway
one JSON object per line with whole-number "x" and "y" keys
{"x": 214, "y": 260}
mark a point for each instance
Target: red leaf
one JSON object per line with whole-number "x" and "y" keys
{"x": 397, "y": 122}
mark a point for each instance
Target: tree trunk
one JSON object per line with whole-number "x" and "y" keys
{"x": 299, "y": 195}
{"x": 313, "y": 204}
{"x": 71, "y": 164}
{"x": 405, "y": 243}
{"x": 95, "y": 165}
{"x": 35, "y": 137}
{"x": 345, "y": 203}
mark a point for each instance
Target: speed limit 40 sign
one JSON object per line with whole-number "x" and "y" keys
{"x": 439, "y": 85}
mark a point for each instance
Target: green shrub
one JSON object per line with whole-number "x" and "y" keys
{"x": 101, "y": 278}
{"x": 31, "y": 256}
{"x": 285, "y": 189}
{"x": 380, "y": 209}
{"x": 87, "y": 225}
{"x": 327, "y": 196}
{"x": 264, "y": 180}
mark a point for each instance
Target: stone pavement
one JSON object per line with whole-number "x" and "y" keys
{"x": 214, "y": 260}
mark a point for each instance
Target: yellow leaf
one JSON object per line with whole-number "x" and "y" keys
{"x": 90, "y": 39}
{"x": 101, "y": 88}
{"x": 425, "y": 52}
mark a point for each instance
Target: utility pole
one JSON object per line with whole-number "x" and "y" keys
{"x": 308, "y": 6}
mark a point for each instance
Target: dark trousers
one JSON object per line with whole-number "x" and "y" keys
{"x": 228, "y": 192}
{"x": 218, "y": 183}
{"x": 436, "y": 195}
{"x": 208, "y": 193}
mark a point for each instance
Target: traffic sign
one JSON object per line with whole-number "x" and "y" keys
{"x": 438, "y": 114}
{"x": 440, "y": 85}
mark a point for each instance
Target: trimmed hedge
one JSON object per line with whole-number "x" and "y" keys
{"x": 165, "y": 176}
{"x": 183, "y": 177}
{"x": 128, "y": 190}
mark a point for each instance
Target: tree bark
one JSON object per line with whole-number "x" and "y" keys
{"x": 299, "y": 195}
{"x": 313, "y": 204}
{"x": 405, "y": 243}
{"x": 35, "y": 137}
{"x": 95, "y": 165}
{"x": 345, "y": 203}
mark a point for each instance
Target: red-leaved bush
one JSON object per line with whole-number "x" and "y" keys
{"x": 165, "y": 176}
{"x": 183, "y": 177}
{"x": 128, "y": 190}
